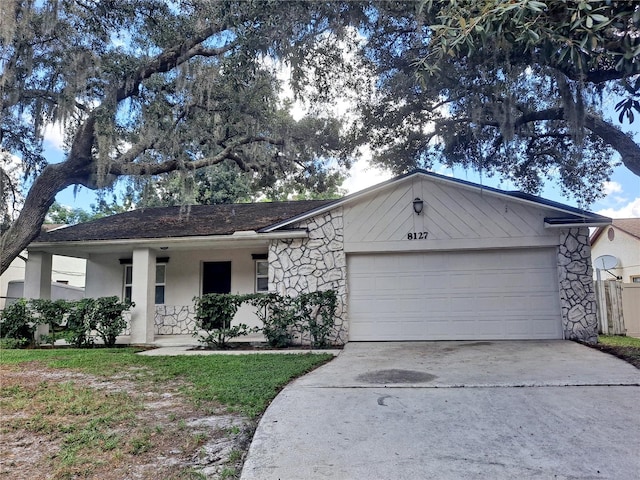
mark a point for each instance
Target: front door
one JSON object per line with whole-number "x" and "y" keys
{"x": 216, "y": 277}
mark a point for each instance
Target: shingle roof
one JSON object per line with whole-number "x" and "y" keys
{"x": 627, "y": 225}
{"x": 192, "y": 221}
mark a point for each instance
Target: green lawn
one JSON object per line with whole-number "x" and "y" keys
{"x": 626, "y": 348}
{"x": 616, "y": 340}
{"x": 89, "y": 432}
{"x": 243, "y": 383}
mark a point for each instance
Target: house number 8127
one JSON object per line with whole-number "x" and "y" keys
{"x": 417, "y": 235}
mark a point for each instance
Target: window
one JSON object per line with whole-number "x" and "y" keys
{"x": 128, "y": 281}
{"x": 262, "y": 275}
{"x": 161, "y": 271}
{"x": 161, "y": 276}
{"x": 635, "y": 279}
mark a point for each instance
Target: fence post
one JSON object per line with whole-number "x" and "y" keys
{"x": 601, "y": 304}
{"x": 615, "y": 300}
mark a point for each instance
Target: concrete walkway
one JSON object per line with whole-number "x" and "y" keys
{"x": 455, "y": 410}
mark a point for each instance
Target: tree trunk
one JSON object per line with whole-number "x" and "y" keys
{"x": 28, "y": 224}
{"x": 77, "y": 169}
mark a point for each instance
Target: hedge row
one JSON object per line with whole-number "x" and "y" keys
{"x": 79, "y": 322}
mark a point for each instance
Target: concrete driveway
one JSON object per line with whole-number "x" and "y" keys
{"x": 455, "y": 410}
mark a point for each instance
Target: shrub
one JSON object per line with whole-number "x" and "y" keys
{"x": 318, "y": 311}
{"x": 106, "y": 318}
{"x": 80, "y": 323}
{"x": 52, "y": 313}
{"x": 214, "y": 314}
{"x": 17, "y": 325}
{"x": 277, "y": 316}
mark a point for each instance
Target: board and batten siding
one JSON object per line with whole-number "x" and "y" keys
{"x": 454, "y": 217}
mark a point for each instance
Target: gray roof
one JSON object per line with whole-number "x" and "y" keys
{"x": 190, "y": 221}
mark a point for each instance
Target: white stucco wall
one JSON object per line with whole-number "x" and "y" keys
{"x": 105, "y": 275}
{"x": 625, "y": 247}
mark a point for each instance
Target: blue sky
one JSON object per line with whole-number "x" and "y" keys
{"x": 622, "y": 199}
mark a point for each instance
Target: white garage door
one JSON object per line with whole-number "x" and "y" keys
{"x": 501, "y": 294}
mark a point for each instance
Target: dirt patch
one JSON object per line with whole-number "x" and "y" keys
{"x": 166, "y": 436}
{"x": 628, "y": 354}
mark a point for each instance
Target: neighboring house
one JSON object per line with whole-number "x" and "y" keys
{"x": 67, "y": 271}
{"x": 419, "y": 257}
{"x": 621, "y": 239}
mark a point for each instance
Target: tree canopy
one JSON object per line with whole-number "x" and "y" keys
{"x": 520, "y": 89}
{"x": 147, "y": 87}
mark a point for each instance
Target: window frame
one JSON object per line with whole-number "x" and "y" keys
{"x": 127, "y": 287}
{"x": 162, "y": 284}
{"x": 260, "y": 276}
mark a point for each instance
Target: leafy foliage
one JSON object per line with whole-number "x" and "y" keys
{"x": 16, "y": 323}
{"x": 106, "y": 318}
{"x": 146, "y": 87}
{"x": 516, "y": 89}
{"x": 283, "y": 318}
{"x": 79, "y": 322}
{"x": 214, "y": 314}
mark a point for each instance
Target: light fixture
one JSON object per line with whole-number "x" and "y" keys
{"x": 164, "y": 248}
{"x": 418, "y": 206}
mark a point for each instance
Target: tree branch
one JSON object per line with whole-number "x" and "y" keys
{"x": 228, "y": 152}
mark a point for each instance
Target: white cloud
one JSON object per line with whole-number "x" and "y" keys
{"x": 362, "y": 175}
{"x": 54, "y": 136}
{"x": 629, "y": 210}
{"x": 611, "y": 187}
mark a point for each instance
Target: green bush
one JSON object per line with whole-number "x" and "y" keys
{"x": 282, "y": 317}
{"x": 78, "y": 322}
{"x": 52, "y": 313}
{"x": 106, "y": 318}
{"x": 277, "y": 316}
{"x": 214, "y": 314}
{"x": 318, "y": 311}
{"x": 17, "y": 325}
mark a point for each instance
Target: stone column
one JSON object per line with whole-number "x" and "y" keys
{"x": 577, "y": 296}
{"x": 143, "y": 295}
{"x": 37, "y": 282}
{"x": 313, "y": 264}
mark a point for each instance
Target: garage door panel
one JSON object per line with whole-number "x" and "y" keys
{"x": 454, "y": 296}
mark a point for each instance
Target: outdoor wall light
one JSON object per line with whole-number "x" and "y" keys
{"x": 418, "y": 205}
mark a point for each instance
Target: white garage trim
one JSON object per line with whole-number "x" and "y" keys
{"x": 505, "y": 294}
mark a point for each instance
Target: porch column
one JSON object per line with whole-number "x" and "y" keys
{"x": 143, "y": 295}
{"x": 37, "y": 282}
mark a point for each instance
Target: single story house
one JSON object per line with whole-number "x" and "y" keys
{"x": 419, "y": 257}
{"x": 615, "y": 250}
{"x": 621, "y": 240}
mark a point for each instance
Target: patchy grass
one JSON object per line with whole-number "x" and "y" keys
{"x": 243, "y": 383}
{"x": 626, "y": 348}
{"x": 111, "y": 414}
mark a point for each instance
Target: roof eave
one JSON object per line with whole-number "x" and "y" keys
{"x": 575, "y": 224}
{"x": 213, "y": 239}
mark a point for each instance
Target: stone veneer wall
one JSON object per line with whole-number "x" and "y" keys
{"x": 175, "y": 319}
{"x": 317, "y": 263}
{"x": 577, "y": 296}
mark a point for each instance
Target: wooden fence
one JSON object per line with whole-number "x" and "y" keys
{"x": 610, "y": 307}
{"x": 631, "y": 308}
